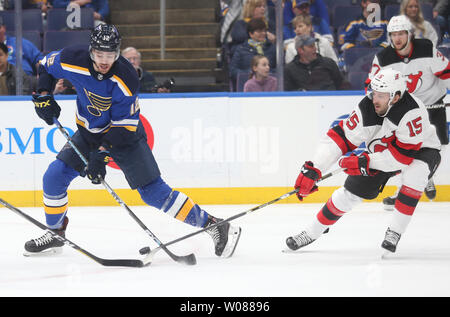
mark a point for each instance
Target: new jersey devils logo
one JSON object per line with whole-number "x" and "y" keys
{"x": 414, "y": 82}
{"x": 376, "y": 145}
{"x": 380, "y": 144}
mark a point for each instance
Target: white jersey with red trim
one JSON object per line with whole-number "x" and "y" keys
{"x": 393, "y": 141}
{"x": 427, "y": 70}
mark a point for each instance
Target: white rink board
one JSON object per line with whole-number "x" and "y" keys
{"x": 214, "y": 140}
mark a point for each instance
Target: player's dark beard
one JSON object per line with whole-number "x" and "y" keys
{"x": 403, "y": 47}
{"x": 97, "y": 66}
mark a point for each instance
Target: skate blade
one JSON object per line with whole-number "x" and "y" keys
{"x": 230, "y": 247}
{"x": 287, "y": 250}
{"x": 386, "y": 255}
{"x": 48, "y": 252}
{"x": 388, "y": 207}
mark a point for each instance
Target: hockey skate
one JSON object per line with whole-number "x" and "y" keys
{"x": 225, "y": 237}
{"x": 299, "y": 241}
{"x": 430, "y": 190}
{"x": 46, "y": 244}
{"x": 389, "y": 202}
{"x": 390, "y": 240}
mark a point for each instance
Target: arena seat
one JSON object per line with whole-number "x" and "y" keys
{"x": 32, "y": 36}
{"x": 359, "y": 59}
{"x": 357, "y": 80}
{"x": 57, "y": 19}
{"x": 55, "y": 40}
{"x": 31, "y": 21}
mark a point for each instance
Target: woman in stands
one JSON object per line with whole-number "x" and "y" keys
{"x": 423, "y": 29}
{"x": 253, "y": 9}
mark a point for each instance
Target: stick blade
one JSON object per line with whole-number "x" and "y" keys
{"x": 189, "y": 259}
{"x": 122, "y": 262}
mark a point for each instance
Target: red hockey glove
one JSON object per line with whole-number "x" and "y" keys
{"x": 357, "y": 165}
{"x": 306, "y": 180}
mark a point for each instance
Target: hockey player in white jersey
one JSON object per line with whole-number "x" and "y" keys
{"x": 399, "y": 140}
{"x": 428, "y": 77}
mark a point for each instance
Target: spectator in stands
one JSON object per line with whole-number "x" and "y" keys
{"x": 62, "y": 4}
{"x": 3, "y": 5}
{"x": 317, "y": 9}
{"x": 253, "y": 9}
{"x": 310, "y": 71}
{"x": 31, "y": 54}
{"x": 303, "y": 26}
{"x": 64, "y": 87}
{"x": 363, "y": 32}
{"x": 257, "y": 44}
{"x": 147, "y": 82}
{"x": 260, "y": 79}
{"x": 101, "y": 10}
{"x": 44, "y": 5}
{"x": 8, "y": 76}
{"x": 223, "y": 7}
{"x": 101, "y": 7}
{"x": 441, "y": 14}
{"x": 422, "y": 28}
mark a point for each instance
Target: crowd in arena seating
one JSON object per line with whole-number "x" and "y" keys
{"x": 47, "y": 25}
{"x": 328, "y": 44}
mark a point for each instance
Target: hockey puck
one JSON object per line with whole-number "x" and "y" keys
{"x": 144, "y": 250}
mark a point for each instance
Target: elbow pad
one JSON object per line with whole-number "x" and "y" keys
{"x": 46, "y": 81}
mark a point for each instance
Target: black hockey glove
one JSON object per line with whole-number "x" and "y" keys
{"x": 46, "y": 107}
{"x": 96, "y": 168}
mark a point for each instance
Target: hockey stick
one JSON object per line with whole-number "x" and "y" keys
{"x": 236, "y": 216}
{"x": 186, "y": 259}
{"x": 105, "y": 262}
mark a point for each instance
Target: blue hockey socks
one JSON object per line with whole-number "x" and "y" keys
{"x": 55, "y": 183}
{"x": 174, "y": 203}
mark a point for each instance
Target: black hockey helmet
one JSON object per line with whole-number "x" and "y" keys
{"x": 106, "y": 38}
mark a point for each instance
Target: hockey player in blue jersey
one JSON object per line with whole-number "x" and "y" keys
{"x": 108, "y": 125}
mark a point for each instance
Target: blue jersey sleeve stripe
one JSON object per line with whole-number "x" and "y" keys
{"x": 131, "y": 128}
{"x": 126, "y": 91}
{"x": 75, "y": 69}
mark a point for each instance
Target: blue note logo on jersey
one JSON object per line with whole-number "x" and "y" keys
{"x": 98, "y": 103}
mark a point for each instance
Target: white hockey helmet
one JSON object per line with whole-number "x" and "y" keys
{"x": 400, "y": 23}
{"x": 390, "y": 81}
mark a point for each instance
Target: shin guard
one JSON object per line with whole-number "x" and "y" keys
{"x": 407, "y": 200}
{"x": 339, "y": 203}
{"x": 329, "y": 214}
{"x": 174, "y": 203}
{"x": 405, "y": 204}
{"x": 55, "y": 183}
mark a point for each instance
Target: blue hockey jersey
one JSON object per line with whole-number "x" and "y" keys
{"x": 106, "y": 103}
{"x": 360, "y": 33}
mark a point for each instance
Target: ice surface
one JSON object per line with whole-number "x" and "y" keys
{"x": 345, "y": 262}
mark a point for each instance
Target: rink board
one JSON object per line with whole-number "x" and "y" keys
{"x": 219, "y": 148}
